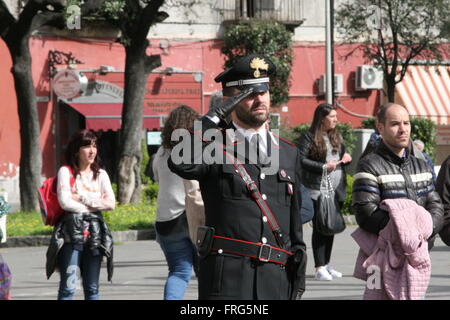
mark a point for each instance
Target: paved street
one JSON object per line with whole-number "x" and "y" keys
{"x": 140, "y": 273}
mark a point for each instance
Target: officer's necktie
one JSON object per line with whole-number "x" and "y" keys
{"x": 258, "y": 155}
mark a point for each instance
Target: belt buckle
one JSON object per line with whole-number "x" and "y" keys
{"x": 262, "y": 257}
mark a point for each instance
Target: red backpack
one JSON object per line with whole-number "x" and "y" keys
{"x": 51, "y": 211}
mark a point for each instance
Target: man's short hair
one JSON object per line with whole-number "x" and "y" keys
{"x": 381, "y": 114}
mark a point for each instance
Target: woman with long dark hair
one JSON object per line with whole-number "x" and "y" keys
{"x": 175, "y": 219}
{"x": 322, "y": 148}
{"x": 81, "y": 238}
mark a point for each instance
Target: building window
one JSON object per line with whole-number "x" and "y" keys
{"x": 255, "y": 8}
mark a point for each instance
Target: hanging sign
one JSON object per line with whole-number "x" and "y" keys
{"x": 68, "y": 84}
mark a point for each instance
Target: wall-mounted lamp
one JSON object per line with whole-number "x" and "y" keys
{"x": 105, "y": 69}
{"x": 164, "y": 45}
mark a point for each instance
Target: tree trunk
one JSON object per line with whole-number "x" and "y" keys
{"x": 136, "y": 74}
{"x": 30, "y": 153}
{"x": 390, "y": 86}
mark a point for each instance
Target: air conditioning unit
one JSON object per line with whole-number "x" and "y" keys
{"x": 368, "y": 77}
{"x": 338, "y": 84}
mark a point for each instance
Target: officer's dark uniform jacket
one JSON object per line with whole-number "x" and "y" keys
{"x": 383, "y": 175}
{"x": 231, "y": 210}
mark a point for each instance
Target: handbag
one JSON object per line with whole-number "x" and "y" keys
{"x": 329, "y": 220}
{"x": 306, "y": 205}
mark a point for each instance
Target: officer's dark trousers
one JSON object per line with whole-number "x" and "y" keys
{"x": 321, "y": 244}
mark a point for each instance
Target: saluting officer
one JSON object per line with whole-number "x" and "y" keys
{"x": 252, "y": 245}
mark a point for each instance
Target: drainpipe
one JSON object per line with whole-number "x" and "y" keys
{"x": 328, "y": 52}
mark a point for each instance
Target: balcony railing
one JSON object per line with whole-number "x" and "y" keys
{"x": 284, "y": 11}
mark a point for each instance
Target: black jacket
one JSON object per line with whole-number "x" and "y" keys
{"x": 70, "y": 229}
{"x": 312, "y": 169}
{"x": 233, "y": 213}
{"x": 443, "y": 188}
{"x": 383, "y": 175}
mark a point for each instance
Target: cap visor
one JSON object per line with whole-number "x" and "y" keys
{"x": 257, "y": 87}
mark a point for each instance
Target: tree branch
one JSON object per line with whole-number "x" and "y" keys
{"x": 133, "y": 6}
{"x": 91, "y": 6}
{"x": 152, "y": 62}
{"x": 149, "y": 16}
{"x": 6, "y": 19}
{"x": 23, "y": 25}
{"x": 48, "y": 18}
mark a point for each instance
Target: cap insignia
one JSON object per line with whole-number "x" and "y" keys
{"x": 258, "y": 63}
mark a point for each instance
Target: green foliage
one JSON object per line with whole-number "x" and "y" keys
{"x": 346, "y": 208}
{"x": 425, "y": 130}
{"x": 391, "y": 33}
{"x": 113, "y": 9}
{"x": 150, "y": 192}
{"x": 293, "y": 134}
{"x": 26, "y": 223}
{"x": 421, "y": 128}
{"x": 267, "y": 38}
{"x": 123, "y": 217}
{"x": 130, "y": 217}
{"x": 348, "y": 134}
{"x": 368, "y": 123}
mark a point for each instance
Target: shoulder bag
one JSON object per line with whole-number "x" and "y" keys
{"x": 329, "y": 220}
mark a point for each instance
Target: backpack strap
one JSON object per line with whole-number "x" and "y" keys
{"x": 72, "y": 176}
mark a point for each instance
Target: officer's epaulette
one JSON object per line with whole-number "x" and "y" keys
{"x": 288, "y": 142}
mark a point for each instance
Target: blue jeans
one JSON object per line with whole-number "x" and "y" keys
{"x": 179, "y": 252}
{"x": 72, "y": 263}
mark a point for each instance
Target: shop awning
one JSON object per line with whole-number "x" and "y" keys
{"x": 425, "y": 91}
{"x": 108, "y": 116}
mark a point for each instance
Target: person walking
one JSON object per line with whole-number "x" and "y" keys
{"x": 172, "y": 223}
{"x": 81, "y": 238}
{"x": 252, "y": 245}
{"x": 322, "y": 148}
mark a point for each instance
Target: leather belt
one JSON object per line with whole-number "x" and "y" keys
{"x": 259, "y": 251}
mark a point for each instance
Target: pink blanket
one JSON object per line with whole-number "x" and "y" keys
{"x": 396, "y": 264}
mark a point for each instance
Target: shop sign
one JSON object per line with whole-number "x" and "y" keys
{"x": 443, "y": 135}
{"x": 68, "y": 84}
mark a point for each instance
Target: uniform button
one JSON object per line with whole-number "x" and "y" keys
{"x": 264, "y": 197}
{"x": 264, "y": 240}
{"x": 262, "y": 175}
{"x": 220, "y": 251}
{"x": 265, "y": 219}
